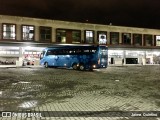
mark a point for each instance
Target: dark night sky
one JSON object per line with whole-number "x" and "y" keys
{"x": 133, "y": 13}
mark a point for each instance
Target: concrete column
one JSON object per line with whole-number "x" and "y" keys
{"x": 153, "y": 37}
{"x": 36, "y": 33}
{"x": 82, "y": 36}
{"x": 144, "y": 58}
{"x": 20, "y": 60}
{"x": 120, "y": 38}
{"x": 1, "y": 30}
{"x": 124, "y": 57}
{"x": 95, "y": 37}
{"x": 18, "y": 32}
{"x": 53, "y": 35}
{"x": 20, "y": 52}
{"x": 142, "y": 40}
{"x": 108, "y": 38}
{"x": 131, "y": 38}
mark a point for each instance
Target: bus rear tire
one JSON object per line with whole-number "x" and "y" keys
{"x": 81, "y": 67}
{"x": 74, "y": 66}
{"x": 46, "y": 65}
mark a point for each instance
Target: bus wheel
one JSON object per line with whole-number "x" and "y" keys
{"x": 81, "y": 67}
{"x": 46, "y": 64}
{"x": 74, "y": 66}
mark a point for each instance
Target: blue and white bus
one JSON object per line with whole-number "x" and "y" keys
{"x": 76, "y": 56}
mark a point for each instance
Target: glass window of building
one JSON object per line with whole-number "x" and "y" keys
{"x": 76, "y": 36}
{"x": 137, "y": 39}
{"x": 68, "y": 36}
{"x": 114, "y": 37}
{"x": 61, "y": 36}
{"x": 102, "y": 37}
{"x": 27, "y": 32}
{"x": 89, "y": 36}
{"x": 126, "y": 38}
{"x": 157, "y": 40}
{"x": 45, "y": 33}
{"x": 9, "y": 31}
{"x": 148, "y": 40}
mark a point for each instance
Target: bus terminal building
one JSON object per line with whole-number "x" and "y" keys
{"x": 23, "y": 38}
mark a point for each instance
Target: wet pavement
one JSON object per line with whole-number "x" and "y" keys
{"x": 81, "y": 93}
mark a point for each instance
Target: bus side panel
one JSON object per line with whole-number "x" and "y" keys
{"x": 66, "y": 60}
{"x": 63, "y": 61}
{"x": 88, "y": 60}
{"x": 74, "y": 59}
{"x": 51, "y": 60}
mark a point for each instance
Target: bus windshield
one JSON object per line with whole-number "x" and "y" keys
{"x": 42, "y": 54}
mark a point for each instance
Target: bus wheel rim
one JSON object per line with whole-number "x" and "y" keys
{"x": 46, "y": 65}
{"x": 81, "y": 67}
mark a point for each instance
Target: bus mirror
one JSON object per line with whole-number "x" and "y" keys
{"x": 41, "y": 56}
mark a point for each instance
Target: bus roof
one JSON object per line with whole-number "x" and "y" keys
{"x": 70, "y": 46}
{"x": 81, "y": 44}
{"x": 75, "y": 45}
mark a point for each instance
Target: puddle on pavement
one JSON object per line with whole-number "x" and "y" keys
{"x": 28, "y": 104}
{"x": 22, "y": 82}
{"x": 16, "y": 95}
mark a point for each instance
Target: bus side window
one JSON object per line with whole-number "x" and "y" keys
{"x": 79, "y": 51}
{"x": 48, "y": 53}
{"x": 67, "y": 51}
{"x": 71, "y": 52}
{"x": 64, "y": 52}
{"x": 51, "y": 52}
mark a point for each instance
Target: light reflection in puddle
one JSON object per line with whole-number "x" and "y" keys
{"x": 28, "y": 104}
{"x": 1, "y": 93}
{"x": 14, "y": 83}
{"x": 22, "y": 82}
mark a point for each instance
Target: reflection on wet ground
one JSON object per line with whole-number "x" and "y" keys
{"x": 22, "y": 89}
{"x": 116, "y": 88}
{"x": 28, "y": 104}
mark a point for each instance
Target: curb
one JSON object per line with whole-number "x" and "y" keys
{"x": 2, "y": 67}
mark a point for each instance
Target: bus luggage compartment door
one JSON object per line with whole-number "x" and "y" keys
{"x": 62, "y": 60}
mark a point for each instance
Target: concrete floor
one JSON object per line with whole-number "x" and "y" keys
{"x": 117, "y": 88}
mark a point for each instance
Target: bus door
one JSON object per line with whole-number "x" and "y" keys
{"x": 103, "y": 56}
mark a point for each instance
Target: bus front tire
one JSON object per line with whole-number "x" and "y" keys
{"x": 46, "y": 65}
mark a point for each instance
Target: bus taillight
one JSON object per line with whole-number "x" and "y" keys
{"x": 98, "y": 61}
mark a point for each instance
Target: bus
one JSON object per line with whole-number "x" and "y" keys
{"x": 78, "y": 57}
